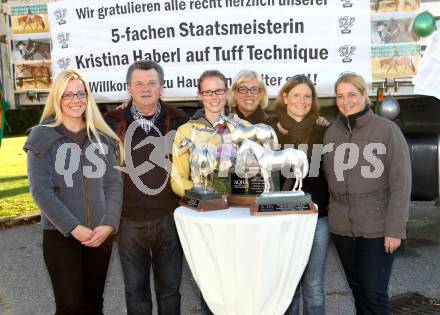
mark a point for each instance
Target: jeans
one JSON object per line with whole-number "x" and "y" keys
{"x": 77, "y": 273}
{"x": 147, "y": 244}
{"x": 367, "y": 269}
{"x": 311, "y": 284}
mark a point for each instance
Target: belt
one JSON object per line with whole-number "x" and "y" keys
{"x": 347, "y": 198}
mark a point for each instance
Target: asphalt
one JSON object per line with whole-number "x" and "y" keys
{"x": 25, "y": 286}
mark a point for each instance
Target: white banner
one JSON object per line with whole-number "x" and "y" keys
{"x": 277, "y": 38}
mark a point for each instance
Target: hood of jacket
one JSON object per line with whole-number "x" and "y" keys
{"x": 41, "y": 138}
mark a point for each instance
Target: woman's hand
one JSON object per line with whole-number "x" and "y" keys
{"x": 100, "y": 234}
{"x": 391, "y": 244}
{"x": 122, "y": 106}
{"x": 321, "y": 121}
{"x": 82, "y": 233}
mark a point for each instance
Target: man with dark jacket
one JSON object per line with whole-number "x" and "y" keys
{"x": 147, "y": 234}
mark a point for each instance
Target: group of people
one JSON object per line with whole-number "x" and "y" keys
{"x": 74, "y": 156}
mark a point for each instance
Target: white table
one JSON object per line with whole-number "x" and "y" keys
{"x": 245, "y": 264}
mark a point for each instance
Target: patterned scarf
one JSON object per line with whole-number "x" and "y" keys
{"x": 143, "y": 122}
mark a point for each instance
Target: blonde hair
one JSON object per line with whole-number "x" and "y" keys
{"x": 354, "y": 79}
{"x": 289, "y": 85}
{"x": 357, "y": 81}
{"x": 246, "y": 75}
{"x": 95, "y": 123}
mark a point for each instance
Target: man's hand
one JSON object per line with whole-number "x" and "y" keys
{"x": 321, "y": 121}
{"x": 281, "y": 129}
{"x": 122, "y": 106}
{"x": 391, "y": 244}
{"x": 100, "y": 234}
{"x": 82, "y": 233}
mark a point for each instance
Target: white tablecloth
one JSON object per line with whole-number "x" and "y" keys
{"x": 245, "y": 264}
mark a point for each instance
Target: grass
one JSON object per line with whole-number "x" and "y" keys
{"x": 15, "y": 198}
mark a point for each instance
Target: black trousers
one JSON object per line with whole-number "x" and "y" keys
{"x": 367, "y": 267}
{"x": 77, "y": 273}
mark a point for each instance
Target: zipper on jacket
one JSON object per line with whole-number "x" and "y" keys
{"x": 346, "y": 184}
{"x": 349, "y": 129}
{"x": 86, "y": 193}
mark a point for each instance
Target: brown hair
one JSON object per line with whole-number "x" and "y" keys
{"x": 211, "y": 74}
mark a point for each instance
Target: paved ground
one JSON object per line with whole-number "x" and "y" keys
{"x": 25, "y": 287}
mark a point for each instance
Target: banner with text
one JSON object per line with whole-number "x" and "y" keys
{"x": 277, "y": 38}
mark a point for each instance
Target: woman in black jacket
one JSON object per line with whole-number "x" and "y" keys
{"x": 297, "y": 110}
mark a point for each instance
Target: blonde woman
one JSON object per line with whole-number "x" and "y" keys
{"x": 72, "y": 158}
{"x": 249, "y": 97}
{"x": 369, "y": 204}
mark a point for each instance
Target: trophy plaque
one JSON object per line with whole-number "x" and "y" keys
{"x": 283, "y": 202}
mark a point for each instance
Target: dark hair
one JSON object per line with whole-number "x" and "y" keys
{"x": 290, "y": 84}
{"x": 211, "y": 74}
{"x": 145, "y": 65}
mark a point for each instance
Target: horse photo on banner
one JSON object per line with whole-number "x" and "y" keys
{"x": 31, "y": 47}
{"x": 33, "y": 76}
{"x": 26, "y": 19}
{"x": 395, "y": 61}
{"x": 393, "y": 30}
{"x": 380, "y": 6}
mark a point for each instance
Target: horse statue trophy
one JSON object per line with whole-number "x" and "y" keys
{"x": 202, "y": 196}
{"x": 270, "y": 202}
{"x": 262, "y": 133}
{"x": 245, "y": 188}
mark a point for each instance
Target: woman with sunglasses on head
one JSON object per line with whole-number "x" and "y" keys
{"x": 297, "y": 110}
{"x": 73, "y": 177}
{"x": 369, "y": 202}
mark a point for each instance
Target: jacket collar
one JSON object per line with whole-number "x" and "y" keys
{"x": 355, "y": 121}
{"x": 199, "y": 116}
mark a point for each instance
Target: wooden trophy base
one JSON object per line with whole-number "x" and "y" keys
{"x": 204, "y": 202}
{"x": 241, "y": 200}
{"x": 268, "y": 205}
